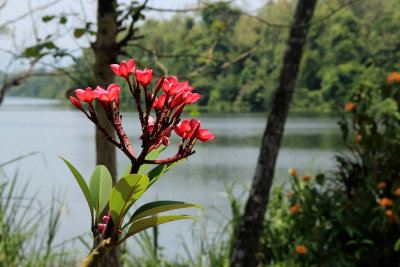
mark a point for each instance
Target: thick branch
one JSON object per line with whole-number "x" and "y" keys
{"x": 19, "y": 79}
{"x": 247, "y": 243}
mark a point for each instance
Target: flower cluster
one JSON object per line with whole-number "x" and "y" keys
{"x": 301, "y": 249}
{"x": 156, "y": 131}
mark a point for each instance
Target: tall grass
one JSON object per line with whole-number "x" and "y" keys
{"x": 28, "y": 228}
{"x": 207, "y": 248}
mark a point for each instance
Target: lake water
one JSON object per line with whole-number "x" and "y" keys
{"x": 53, "y": 129}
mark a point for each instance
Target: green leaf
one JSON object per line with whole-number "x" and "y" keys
{"x": 128, "y": 189}
{"x": 63, "y": 20}
{"x": 82, "y": 184}
{"x": 47, "y": 18}
{"x": 153, "y": 155}
{"x": 33, "y": 51}
{"x": 160, "y": 170}
{"x": 100, "y": 186}
{"x": 397, "y": 245}
{"x": 78, "y": 32}
{"x": 127, "y": 171}
{"x": 49, "y": 45}
{"x": 144, "y": 224}
{"x": 155, "y": 207}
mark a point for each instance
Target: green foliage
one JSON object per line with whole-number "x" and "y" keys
{"x": 125, "y": 193}
{"x": 348, "y": 217}
{"x": 28, "y": 228}
{"x": 100, "y": 186}
{"x": 156, "y": 207}
{"x": 144, "y": 224}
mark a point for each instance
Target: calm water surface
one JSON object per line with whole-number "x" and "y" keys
{"x": 53, "y": 130}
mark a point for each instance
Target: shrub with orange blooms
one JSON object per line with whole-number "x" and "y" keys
{"x": 349, "y": 106}
{"x": 357, "y": 139}
{"x": 386, "y": 202}
{"x": 293, "y": 172}
{"x": 306, "y": 177}
{"x": 381, "y": 185}
{"x": 394, "y": 77}
{"x": 397, "y": 192}
{"x": 301, "y": 249}
{"x": 346, "y": 205}
{"x": 295, "y": 208}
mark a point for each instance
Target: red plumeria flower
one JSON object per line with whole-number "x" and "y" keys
{"x": 86, "y": 95}
{"x": 124, "y": 69}
{"x": 102, "y": 226}
{"x": 183, "y": 129}
{"x": 76, "y": 103}
{"x": 106, "y": 218}
{"x": 160, "y": 102}
{"x": 144, "y": 77}
{"x": 171, "y": 81}
{"x": 204, "y": 135}
{"x": 150, "y": 124}
{"x": 188, "y": 129}
{"x": 112, "y": 93}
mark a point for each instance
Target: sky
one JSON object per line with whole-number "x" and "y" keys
{"x": 21, "y": 35}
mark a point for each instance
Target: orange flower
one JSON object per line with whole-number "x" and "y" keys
{"x": 349, "y": 106}
{"x": 386, "y": 202}
{"x": 397, "y": 192}
{"x": 301, "y": 249}
{"x": 357, "y": 139}
{"x": 293, "y": 172}
{"x": 295, "y": 208}
{"x": 381, "y": 185}
{"x": 306, "y": 177}
{"x": 394, "y": 77}
{"x": 389, "y": 212}
{"x": 290, "y": 194}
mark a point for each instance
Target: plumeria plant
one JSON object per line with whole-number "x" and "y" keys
{"x": 112, "y": 230}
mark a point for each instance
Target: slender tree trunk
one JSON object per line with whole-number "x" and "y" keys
{"x": 247, "y": 244}
{"x": 106, "y": 52}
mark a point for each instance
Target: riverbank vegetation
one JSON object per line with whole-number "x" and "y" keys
{"x": 234, "y": 59}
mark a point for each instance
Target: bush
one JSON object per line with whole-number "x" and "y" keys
{"x": 349, "y": 217}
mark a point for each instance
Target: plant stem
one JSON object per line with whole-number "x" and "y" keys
{"x": 97, "y": 254}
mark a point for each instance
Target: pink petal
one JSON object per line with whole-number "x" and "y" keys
{"x": 173, "y": 80}
{"x": 204, "y": 135}
{"x": 80, "y": 94}
{"x": 123, "y": 69}
{"x": 131, "y": 65}
{"x": 115, "y": 69}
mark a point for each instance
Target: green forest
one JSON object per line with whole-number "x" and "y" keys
{"x": 233, "y": 59}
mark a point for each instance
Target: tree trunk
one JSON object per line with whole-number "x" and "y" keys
{"x": 106, "y": 52}
{"x": 247, "y": 244}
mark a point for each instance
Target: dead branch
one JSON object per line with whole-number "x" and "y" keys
{"x": 130, "y": 33}
{"x": 186, "y": 9}
{"x": 17, "y": 80}
{"x": 29, "y": 12}
{"x": 208, "y": 61}
{"x": 241, "y": 56}
{"x": 159, "y": 63}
